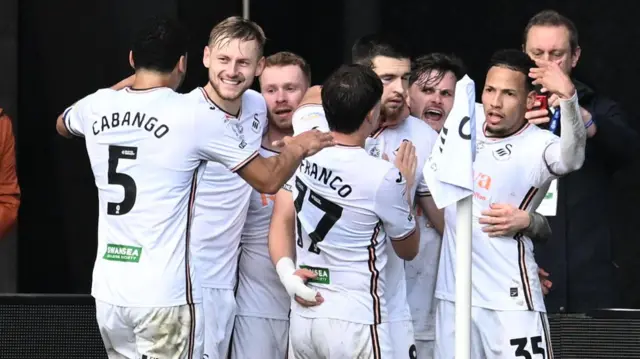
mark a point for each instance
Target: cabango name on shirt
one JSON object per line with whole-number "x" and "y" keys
{"x": 140, "y": 120}
{"x": 325, "y": 177}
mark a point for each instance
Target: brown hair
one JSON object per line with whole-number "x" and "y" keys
{"x": 285, "y": 58}
{"x": 237, "y": 28}
{"x": 553, "y": 18}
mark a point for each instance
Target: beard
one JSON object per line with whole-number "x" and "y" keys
{"x": 390, "y": 117}
{"x": 229, "y": 96}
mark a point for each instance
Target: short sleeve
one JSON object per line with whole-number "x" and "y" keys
{"x": 309, "y": 117}
{"x": 392, "y": 207}
{"x": 423, "y": 189}
{"x": 221, "y": 140}
{"x": 75, "y": 116}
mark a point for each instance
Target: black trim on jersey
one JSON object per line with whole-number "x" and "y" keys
{"x": 206, "y": 95}
{"x": 547, "y": 336}
{"x": 247, "y": 160}
{"x": 406, "y": 235}
{"x": 424, "y": 194}
{"x": 189, "y": 285}
{"x": 348, "y": 146}
{"x": 544, "y": 159}
{"x": 484, "y": 130}
{"x": 132, "y": 90}
{"x": 270, "y": 150}
{"x": 524, "y": 276}
{"x": 375, "y": 274}
{"x": 66, "y": 125}
{"x": 375, "y": 341}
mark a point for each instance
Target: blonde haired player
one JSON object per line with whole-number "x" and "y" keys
{"x": 262, "y": 322}
{"x": 234, "y": 57}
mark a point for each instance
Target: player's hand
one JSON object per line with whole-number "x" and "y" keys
{"x": 127, "y": 82}
{"x": 407, "y": 161}
{"x": 552, "y": 79}
{"x": 544, "y": 282}
{"x": 504, "y": 220}
{"x": 538, "y": 116}
{"x": 311, "y": 141}
{"x": 305, "y": 275}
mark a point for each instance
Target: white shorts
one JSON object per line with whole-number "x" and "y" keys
{"x": 219, "y": 307}
{"x": 324, "y": 338}
{"x": 255, "y": 337}
{"x": 495, "y": 334}
{"x": 425, "y": 349}
{"x": 150, "y": 333}
{"x": 402, "y": 339}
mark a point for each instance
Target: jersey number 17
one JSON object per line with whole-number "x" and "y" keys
{"x": 332, "y": 213}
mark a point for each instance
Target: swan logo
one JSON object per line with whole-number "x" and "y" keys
{"x": 503, "y": 153}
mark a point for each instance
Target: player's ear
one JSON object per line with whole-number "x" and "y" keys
{"x": 206, "y": 56}
{"x": 131, "y": 63}
{"x": 260, "y": 67}
{"x": 531, "y": 99}
{"x": 182, "y": 64}
{"x": 576, "y": 56}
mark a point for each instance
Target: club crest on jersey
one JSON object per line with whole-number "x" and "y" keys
{"x": 255, "y": 125}
{"x": 503, "y": 153}
{"x": 374, "y": 151}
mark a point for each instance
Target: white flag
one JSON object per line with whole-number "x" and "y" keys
{"x": 449, "y": 170}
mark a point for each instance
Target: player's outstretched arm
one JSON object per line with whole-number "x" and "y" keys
{"x": 313, "y": 96}
{"x": 63, "y": 129}
{"x": 566, "y": 155}
{"x": 267, "y": 175}
{"x": 282, "y": 251}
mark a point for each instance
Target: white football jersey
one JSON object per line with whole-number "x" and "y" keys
{"x": 421, "y": 274}
{"x": 260, "y": 292}
{"x": 510, "y": 170}
{"x": 146, "y": 148}
{"x": 347, "y": 204}
{"x": 388, "y": 140}
{"x": 309, "y": 117}
{"x": 223, "y": 196}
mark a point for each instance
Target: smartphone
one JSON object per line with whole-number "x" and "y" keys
{"x": 544, "y": 104}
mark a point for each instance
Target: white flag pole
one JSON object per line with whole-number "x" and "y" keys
{"x": 245, "y": 9}
{"x": 463, "y": 278}
{"x": 449, "y": 175}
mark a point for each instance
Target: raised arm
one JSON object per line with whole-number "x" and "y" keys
{"x": 567, "y": 154}
{"x": 268, "y": 175}
{"x": 66, "y": 129}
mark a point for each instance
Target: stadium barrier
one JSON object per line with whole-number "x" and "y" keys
{"x": 36, "y": 326}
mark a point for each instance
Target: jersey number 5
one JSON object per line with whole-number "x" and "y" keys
{"x": 332, "y": 213}
{"x": 115, "y": 178}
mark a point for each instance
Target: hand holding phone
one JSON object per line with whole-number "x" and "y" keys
{"x": 544, "y": 103}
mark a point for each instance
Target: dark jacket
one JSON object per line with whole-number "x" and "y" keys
{"x": 579, "y": 256}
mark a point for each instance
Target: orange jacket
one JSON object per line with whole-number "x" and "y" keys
{"x": 9, "y": 190}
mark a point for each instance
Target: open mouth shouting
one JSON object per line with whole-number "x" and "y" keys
{"x": 433, "y": 114}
